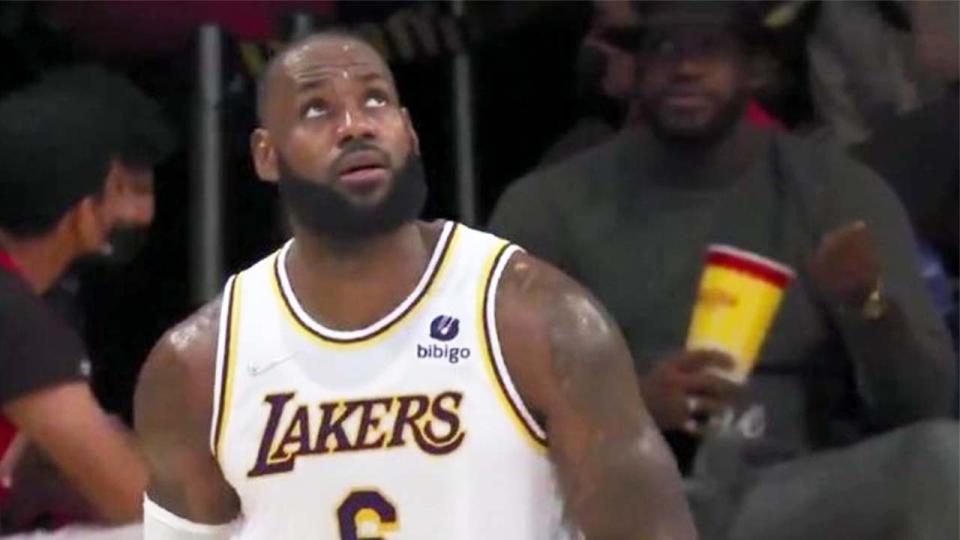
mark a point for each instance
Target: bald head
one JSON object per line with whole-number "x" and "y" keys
{"x": 321, "y": 55}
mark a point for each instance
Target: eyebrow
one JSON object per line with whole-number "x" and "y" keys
{"x": 321, "y": 77}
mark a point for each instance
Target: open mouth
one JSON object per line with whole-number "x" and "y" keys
{"x": 362, "y": 168}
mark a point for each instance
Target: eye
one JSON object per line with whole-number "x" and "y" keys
{"x": 375, "y": 100}
{"x": 659, "y": 46}
{"x": 315, "y": 109}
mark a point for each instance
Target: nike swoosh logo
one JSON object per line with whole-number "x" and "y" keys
{"x": 260, "y": 369}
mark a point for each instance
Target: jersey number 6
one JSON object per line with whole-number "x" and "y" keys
{"x": 366, "y": 512}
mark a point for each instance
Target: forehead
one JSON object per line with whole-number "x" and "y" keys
{"x": 320, "y": 60}
{"x": 687, "y": 30}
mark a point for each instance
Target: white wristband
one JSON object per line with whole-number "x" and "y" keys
{"x": 161, "y": 524}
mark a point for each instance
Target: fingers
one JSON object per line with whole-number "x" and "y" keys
{"x": 852, "y": 236}
{"x": 846, "y": 265}
{"x": 844, "y": 230}
{"x": 703, "y": 407}
{"x": 698, "y": 360}
{"x": 710, "y": 385}
{"x": 703, "y": 415}
{"x": 684, "y": 392}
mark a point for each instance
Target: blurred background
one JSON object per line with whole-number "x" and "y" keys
{"x": 532, "y": 82}
{"x": 495, "y": 89}
{"x": 526, "y": 51}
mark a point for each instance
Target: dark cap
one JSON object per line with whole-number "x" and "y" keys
{"x": 743, "y": 18}
{"x": 48, "y": 158}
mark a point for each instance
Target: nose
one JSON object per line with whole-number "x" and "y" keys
{"x": 142, "y": 209}
{"x": 354, "y": 124}
{"x": 138, "y": 202}
{"x": 136, "y": 210}
{"x": 688, "y": 66}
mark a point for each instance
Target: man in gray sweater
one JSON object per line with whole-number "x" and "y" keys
{"x": 835, "y": 431}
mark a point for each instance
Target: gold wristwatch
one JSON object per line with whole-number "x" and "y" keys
{"x": 875, "y": 306}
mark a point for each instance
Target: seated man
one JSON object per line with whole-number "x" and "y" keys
{"x": 857, "y": 349}
{"x": 76, "y": 156}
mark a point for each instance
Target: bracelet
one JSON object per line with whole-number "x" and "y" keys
{"x": 875, "y": 306}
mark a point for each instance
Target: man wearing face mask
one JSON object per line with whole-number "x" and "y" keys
{"x": 89, "y": 296}
{"x": 380, "y": 376}
{"x": 142, "y": 139}
{"x": 68, "y": 180}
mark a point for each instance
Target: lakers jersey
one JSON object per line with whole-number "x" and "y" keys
{"x": 408, "y": 429}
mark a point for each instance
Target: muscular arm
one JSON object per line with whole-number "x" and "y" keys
{"x": 172, "y": 408}
{"x": 573, "y": 369}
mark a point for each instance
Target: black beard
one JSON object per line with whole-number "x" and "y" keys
{"x": 718, "y": 128}
{"x": 324, "y": 211}
{"x": 122, "y": 246}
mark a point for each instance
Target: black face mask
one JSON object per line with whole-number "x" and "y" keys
{"x": 122, "y": 246}
{"x": 324, "y": 211}
{"x": 125, "y": 244}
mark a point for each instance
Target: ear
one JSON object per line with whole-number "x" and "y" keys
{"x": 411, "y": 132}
{"x": 88, "y": 224}
{"x": 264, "y": 155}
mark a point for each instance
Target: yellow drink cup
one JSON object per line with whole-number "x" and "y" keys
{"x": 740, "y": 293}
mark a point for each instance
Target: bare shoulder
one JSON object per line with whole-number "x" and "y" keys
{"x": 536, "y": 299}
{"x": 553, "y": 330}
{"x": 178, "y": 376}
{"x": 193, "y": 340}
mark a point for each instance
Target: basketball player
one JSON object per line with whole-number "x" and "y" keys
{"x": 381, "y": 377}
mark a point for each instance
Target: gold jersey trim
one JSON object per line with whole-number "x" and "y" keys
{"x": 299, "y": 317}
{"x": 496, "y": 367}
{"x": 226, "y": 356}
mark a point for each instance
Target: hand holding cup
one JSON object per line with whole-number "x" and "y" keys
{"x": 683, "y": 392}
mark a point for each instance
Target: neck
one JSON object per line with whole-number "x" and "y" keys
{"x": 41, "y": 261}
{"x": 351, "y": 285}
{"x": 706, "y": 163}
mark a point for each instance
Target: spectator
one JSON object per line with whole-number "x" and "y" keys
{"x": 867, "y": 62}
{"x": 75, "y": 164}
{"x": 606, "y": 80}
{"x": 857, "y": 362}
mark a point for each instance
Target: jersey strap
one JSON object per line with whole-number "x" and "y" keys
{"x": 507, "y": 392}
{"x": 225, "y": 360}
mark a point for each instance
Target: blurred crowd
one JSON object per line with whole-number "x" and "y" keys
{"x": 819, "y": 134}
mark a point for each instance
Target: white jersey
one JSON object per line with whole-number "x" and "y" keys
{"x": 409, "y": 429}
